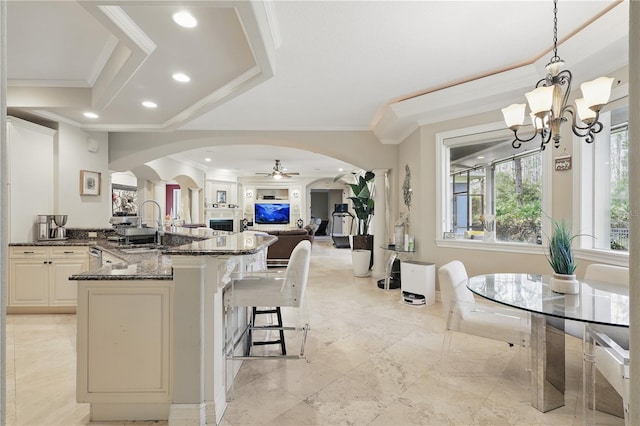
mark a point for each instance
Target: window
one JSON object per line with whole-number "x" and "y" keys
{"x": 604, "y": 181}
{"x": 488, "y": 181}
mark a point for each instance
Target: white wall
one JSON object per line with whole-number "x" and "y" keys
{"x": 124, "y": 178}
{"x": 31, "y": 177}
{"x": 72, "y": 155}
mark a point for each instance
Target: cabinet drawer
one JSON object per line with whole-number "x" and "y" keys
{"x": 71, "y": 251}
{"x": 26, "y": 252}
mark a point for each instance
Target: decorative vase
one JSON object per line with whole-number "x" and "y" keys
{"x": 360, "y": 261}
{"x": 364, "y": 242}
{"x": 489, "y": 236}
{"x": 566, "y": 284}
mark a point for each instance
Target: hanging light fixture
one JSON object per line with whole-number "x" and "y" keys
{"x": 548, "y": 103}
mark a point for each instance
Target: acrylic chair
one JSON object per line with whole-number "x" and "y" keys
{"x": 606, "y": 348}
{"x": 273, "y": 290}
{"x": 488, "y": 320}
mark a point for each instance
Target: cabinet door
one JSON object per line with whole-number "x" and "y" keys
{"x": 63, "y": 291}
{"x": 28, "y": 282}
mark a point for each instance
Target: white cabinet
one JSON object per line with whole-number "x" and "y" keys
{"x": 39, "y": 278}
{"x": 124, "y": 343}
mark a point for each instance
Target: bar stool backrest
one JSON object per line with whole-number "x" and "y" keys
{"x": 297, "y": 273}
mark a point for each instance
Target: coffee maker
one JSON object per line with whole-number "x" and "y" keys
{"x": 51, "y": 227}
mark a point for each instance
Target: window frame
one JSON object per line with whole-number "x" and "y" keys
{"x": 463, "y": 136}
{"x": 583, "y": 199}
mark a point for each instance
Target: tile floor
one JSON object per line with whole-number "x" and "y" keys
{"x": 371, "y": 361}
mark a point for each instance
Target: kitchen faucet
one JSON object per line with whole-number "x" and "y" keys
{"x": 160, "y": 231}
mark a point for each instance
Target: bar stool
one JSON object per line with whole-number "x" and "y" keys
{"x": 266, "y": 293}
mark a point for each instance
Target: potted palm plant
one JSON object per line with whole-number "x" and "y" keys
{"x": 363, "y": 206}
{"x": 561, "y": 259}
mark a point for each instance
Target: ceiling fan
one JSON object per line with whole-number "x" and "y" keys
{"x": 279, "y": 172}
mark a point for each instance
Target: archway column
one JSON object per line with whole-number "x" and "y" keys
{"x": 196, "y": 205}
{"x": 379, "y": 221}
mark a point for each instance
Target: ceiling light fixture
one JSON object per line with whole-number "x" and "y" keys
{"x": 149, "y": 104}
{"x": 90, "y": 115}
{"x": 548, "y": 103}
{"x": 207, "y": 159}
{"x": 185, "y": 19}
{"x": 181, "y": 77}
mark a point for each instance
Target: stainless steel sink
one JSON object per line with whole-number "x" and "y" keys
{"x": 128, "y": 231}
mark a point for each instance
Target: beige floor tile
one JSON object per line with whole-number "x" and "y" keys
{"x": 258, "y": 403}
{"x": 347, "y": 401}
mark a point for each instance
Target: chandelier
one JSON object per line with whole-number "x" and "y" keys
{"x": 548, "y": 103}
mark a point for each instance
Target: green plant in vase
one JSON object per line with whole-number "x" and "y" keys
{"x": 363, "y": 205}
{"x": 561, "y": 259}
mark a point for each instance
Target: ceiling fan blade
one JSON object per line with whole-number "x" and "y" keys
{"x": 293, "y": 173}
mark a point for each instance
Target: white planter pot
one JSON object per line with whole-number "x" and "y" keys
{"x": 567, "y": 284}
{"x": 360, "y": 260}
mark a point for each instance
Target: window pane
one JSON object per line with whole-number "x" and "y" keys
{"x": 468, "y": 200}
{"x": 619, "y": 163}
{"x": 518, "y": 184}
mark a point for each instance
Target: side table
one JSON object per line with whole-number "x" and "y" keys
{"x": 396, "y": 252}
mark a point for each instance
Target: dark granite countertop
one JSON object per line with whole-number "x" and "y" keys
{"x": 153, "y": 262}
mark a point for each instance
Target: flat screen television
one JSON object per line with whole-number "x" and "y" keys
{"x": 272, "y": 213}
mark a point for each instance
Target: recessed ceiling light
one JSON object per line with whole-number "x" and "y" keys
{"x": 181, "y": 77}
{"x": 207, "y": 159}
{"x": 185, "y": 19}
{"x": 91, "y": 115}
{"x": 341, "y": 169}
{"x": 480, "y": 157}
{"x": 149, "y": 104}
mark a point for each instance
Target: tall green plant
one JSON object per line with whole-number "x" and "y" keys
{"x": 362, "y": 199}
{"x": 560, "y": 255}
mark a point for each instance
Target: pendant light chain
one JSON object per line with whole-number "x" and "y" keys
{"x": 555, "y": 58}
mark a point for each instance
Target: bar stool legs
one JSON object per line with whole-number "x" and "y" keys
{"x": 278, "y": 326}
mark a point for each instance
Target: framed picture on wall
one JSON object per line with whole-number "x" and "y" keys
{"x": 221, "y": 196}
{"x": 89, "y": 182}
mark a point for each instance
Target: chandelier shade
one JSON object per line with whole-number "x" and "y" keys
{"x": 548, "y": 103}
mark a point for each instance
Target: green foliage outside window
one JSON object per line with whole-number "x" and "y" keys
{"x": 519, "y": 200}
{"x": 619, "y": 161}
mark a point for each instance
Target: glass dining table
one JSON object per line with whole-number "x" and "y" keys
{"x": 597, "y": 303}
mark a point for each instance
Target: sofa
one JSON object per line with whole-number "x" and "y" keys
{"x": 280, "y": 251}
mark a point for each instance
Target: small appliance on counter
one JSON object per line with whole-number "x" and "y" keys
{"x": 51, "y": 227}
{"x": 129, "y": 232}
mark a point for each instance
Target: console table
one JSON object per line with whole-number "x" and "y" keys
{"x": 396, "y": 252}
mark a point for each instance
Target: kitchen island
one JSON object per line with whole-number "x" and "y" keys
{"x": 150, "y": 334}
